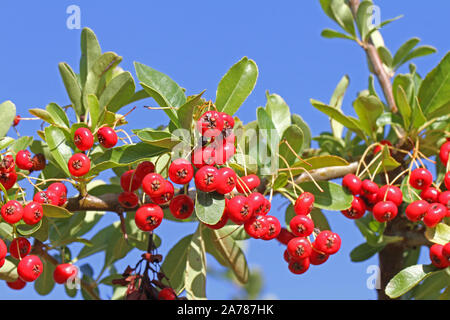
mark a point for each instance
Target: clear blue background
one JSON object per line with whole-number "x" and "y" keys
{"x": 195, "y": 42}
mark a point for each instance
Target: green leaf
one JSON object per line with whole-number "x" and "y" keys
{"x": 430, "y": 288}
{"x": 21, "y": 144}
{"x": 434, "y": 92}
{"x": 124, "y": 156}
{"x": 336, "y": 101}
{"x": 6, "y": 231}
{"x": 317, "y": 163}
{"x": 226, "y": 251}
{"x": 8, "y": 112}
{"x": 195, "y": 273}
{"x": 364, "y": 17}
{"x": 58, "y": 115}
{"x": 186, "y": 111}
{"x": 278, "y": 111}
{"x": 364, "y": 251}
{"x": 209, "y": 207}
{"x": 293, "y": 135}
{"x": 118, "y": 92}
{"x": 162, "y": 102}
{"x": 280, "y": 181}
{"x": 404, "y": 50}
{"x": 408, "y": 278}
{"x": 41, "y": 114}
{"x": 418, "y": 52}
{"x": 319, "y": 219}
{"x": 174, "y": 264}
{"x": 333, "y": 34}
{"x": 52, "y": 211}
{"x": 5, "y": 142}
{"x": 45, "y": 283}
{"x": 90, "y": 51}
{"x": 236, "y": 85}
{"x": 72, "y": 87}
{"x": 385, "y": 56}
{"x": 348, "y": 122}
{"x": 157, "y": 138}
{"x": 404, "y": 107}
{"x": 27, "y": 230}
{"x": 343, "y": 16}
{"x": 409, "y": 193}
{"x": 439, "y": 234}
{"x": 368, "y": 110}
{"x": 59, "y": 149}
{"x": 298, "y": 120}
{"x": 9, "y": 270}
{"x": 266, "y": 127}
{"x": 94, "y": 110}
{"x": 333, "y": 197}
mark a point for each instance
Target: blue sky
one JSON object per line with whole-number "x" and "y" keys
{"x": 195, "y": 42}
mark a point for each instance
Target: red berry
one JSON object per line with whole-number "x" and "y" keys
{"x": 129, "y": 181}
{"x": 167, "y": 294}
{"x": 444, "y": 152}
{"x": 12, "y": 211}
{"x": 128, "y": 199}
{"x": 286, "y": 256}
{"x": 39, "y": 162}
{"x": 210, "y": 124}
{"x": 153, "y": 184}
{"x": 274, "y": 228}
{"x": 299, "y": 266}
{"x": 148, "y": 217}
{"x": 228, "y": 121}
{"x": 304, "y": 203}
{"x": 301, "y": 226}
{"x": 181, "y": 171}
{"x": 420, "y": 178}
{"x": 206, "y": 178}
{"x": 256, "y": 227}
{"x": 446, "y": 251}
{"x": 385, "y": 211}
{"x": 7, "y": 164}
{"x": 357, "y": 210}
{"x": 79, "y": 165}
{"x": 392, "y": 193}
{"x": 83, "y": 139}
{"x": 16, "y": 120}
{"x": 327, "y": 242}
{"x": 166, "y": 195}
{"x": 3, "y": 249}
{"x": 59, "y": 189}
{"x": 30, "y": 268}
{"x": 444, "y": 198}
{"x": 204, "y": 156}
{"x": 368, "y": 187}
{"x": 317, "y": 258}
{"x": 436, "y": 256}
{"x": 23, "y": 160}
{"x": 19, "y": 248}
{"x": 143, "y": 169}
{"x": 247, "y": 183}
{"x": 182, "y": 206}
{"x": 258, "y": 202}
{"x": 435, "y": 213}
{"x": 447, "y": 180}
{"x": 32, "y": 213}
{"x": 8, "y": 179}
{"x": 107, "y": 137}
{"x": 378, "y": 148}
{"x": 299, "y": 248}
{"x": 285, "y": 236}
{"x": 430, "y": 194}
{"x": 64, "y": 272}
{"x": 2, "y": 262}
{"x": 223, "y": 152}
{"x": 352, "y": 183}
{"x": 226, "y": 180}
{"x": 17, "y": 284}
{"x": 416, "y": 210}
{"x": 223, "y": 221}
{"x": 239, "y": 209}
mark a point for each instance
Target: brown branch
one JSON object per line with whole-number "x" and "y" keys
{"x": 378, "y": 69}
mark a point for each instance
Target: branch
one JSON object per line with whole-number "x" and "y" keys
{"x": 372, "y": 53}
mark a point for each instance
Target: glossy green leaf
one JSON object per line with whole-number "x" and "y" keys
{"x": 385, "y": 56}
{"x": 439, "y": 234}
{"x": 20, "y": 144}
{"x": 27, "y": 230}
{"x": 90, "y": 51}
{"x": 186, "y": 111}
{"x": 209, "y": 206}
{"x": 430, "y": 288}
{"x": 368, "y": 110}
{"x": 319, "y": 219}
{"x": 52, "y": 211}
{"x": 333, "y": 197}
{"x": 280, "y": 181}
{"x": 333, "y": 34}
{"x": 8, "y": 112}
{"x": 6, "y": 231}
{"x": 41, "y": 114}
{"x": 45, "y": 283}
{"x": 406, "y": 279}
{"x": 58, "y": 115}
{"x": 266, "y": 127}
{"x": 278, "y": 111}
{"x": 5, "y": 142}
{"x": 195, "y": 273}
{"x": 404, "y": 50}
{"x": 157, "y": 138}
{"x": 298, "y": 120}
{"x": 343, "y": 15}
{"x": 118, "y": 92}
{"x": 364, "y": 251}
{"x": 59, "y": 149}
{"x": 162, "y": 102}
{"x": 434, "y": 92}
{"x": 317, "y": 163}
{"x": 418, "y": 52}
{"x": 236, "y": 85}
{"x": 174, "y": 264}
{"x": 9, "y": 270}
{"x": 72, "y": 87}
{"x": 364, "y": 17}
{"x": 293, "y": 135}
{"x": 336, "y": 101}
{"x": 403, "y": 106}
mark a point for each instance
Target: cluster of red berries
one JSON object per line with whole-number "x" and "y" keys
{"x": 80, "y": 164}
{"x": 300, "y": 252}
{"x": 440, "y": 255}
{"x": 23, "y": 161}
